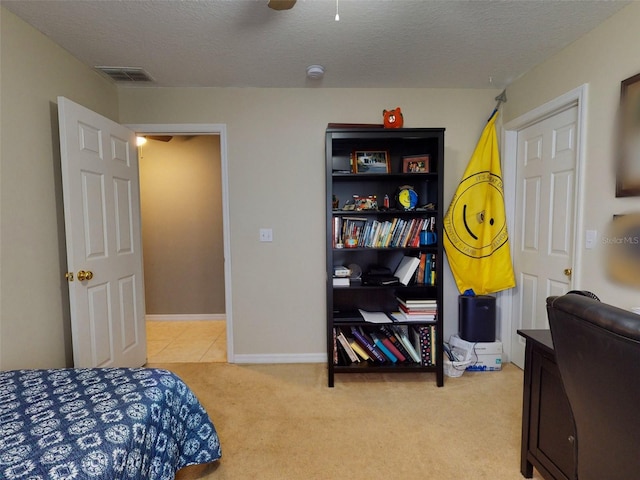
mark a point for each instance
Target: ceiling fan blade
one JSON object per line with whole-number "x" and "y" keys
{"x": 160, "y": 138}
{"x": 281, "y": 4}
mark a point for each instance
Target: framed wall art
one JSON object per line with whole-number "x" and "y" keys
{"x": 628, "y": 161}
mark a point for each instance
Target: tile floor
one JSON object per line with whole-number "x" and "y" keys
{"x": 186, "y": 341}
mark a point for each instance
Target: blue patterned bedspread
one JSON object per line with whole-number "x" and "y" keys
{"x": 102, "y": 423}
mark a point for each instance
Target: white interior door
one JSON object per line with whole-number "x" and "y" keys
{"x": 102, "y": 223}
{"x": 544, "y": 220}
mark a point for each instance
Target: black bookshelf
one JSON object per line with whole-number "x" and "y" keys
{"x": 343, "y": 183}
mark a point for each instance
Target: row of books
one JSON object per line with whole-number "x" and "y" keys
{"x": 373, "y": 233}
{"x": 420, "y": 270}
{"x": 384, "y": 344}
{"x": 426, "y": 274}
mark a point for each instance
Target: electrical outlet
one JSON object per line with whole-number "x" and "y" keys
{"x": 266, "y": 235}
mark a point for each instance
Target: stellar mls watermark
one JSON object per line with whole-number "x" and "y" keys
{"x": 625, "y": 240}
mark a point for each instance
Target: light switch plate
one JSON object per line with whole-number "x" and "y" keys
{"x": 590, "y": 239}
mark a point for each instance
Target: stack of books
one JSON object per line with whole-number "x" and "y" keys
{"x": 412, "y": 309}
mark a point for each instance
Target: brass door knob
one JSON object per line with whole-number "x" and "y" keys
{"x": 82, "y": 275}
{"x": 568, "y": 272}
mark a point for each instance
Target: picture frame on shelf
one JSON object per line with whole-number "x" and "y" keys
{"x": 415, "y": 164}
{"x": 370, "y": 161}
{"x": 628, "y": 161}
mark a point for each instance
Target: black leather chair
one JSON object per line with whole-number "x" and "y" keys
{"x": 597, "y": 349}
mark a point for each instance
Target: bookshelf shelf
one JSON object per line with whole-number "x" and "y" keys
{"x": 382, "y": 213}
{"x": 396, "y": 288}
{"x": 378, "y": 176}
{"x": 369, "y": 228}
{"x": 347, "y": 251}
{"x": 393, "y": 368}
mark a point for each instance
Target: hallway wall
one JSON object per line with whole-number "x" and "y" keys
{"x": 181, "y": 206}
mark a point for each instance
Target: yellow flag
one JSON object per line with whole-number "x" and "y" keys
{"x": 475, "y": 226}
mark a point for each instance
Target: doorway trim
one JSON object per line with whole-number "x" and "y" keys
{"x": 577, "y": 97}
{"x": 207, "y": 129}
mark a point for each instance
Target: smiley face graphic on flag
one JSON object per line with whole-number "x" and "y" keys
{"x": 477, "y": 225}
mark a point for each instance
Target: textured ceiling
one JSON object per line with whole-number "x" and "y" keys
{"x": 376, "y": 43}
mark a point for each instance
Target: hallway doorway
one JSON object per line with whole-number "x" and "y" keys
{"x": 204, "y": 311}
{"x": 180, "y": 200}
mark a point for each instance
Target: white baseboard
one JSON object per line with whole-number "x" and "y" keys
{"x": 186, "y": 318}
{"x": 281, "y": 358}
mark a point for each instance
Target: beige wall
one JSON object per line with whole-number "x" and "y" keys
{"x": 275, "y": 142}
{"x": 601, "y": 59}
{"x": 181, "y": 206}
{"x": 34, "y": 317}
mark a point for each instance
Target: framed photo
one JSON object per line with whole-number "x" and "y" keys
{"x": 370, "y": 161}
{"x": 415, "y": 164}
{"x": 628, "y": 162}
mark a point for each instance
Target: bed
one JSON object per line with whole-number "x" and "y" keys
{"x": 101, "y": 423}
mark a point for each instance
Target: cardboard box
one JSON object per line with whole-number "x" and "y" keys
{"x": 484, "y": 356}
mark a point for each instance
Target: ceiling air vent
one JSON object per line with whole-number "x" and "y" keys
{"x": 126, "y": 74}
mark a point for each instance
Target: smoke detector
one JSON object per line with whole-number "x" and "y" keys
{"x": 315, "y": 72}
